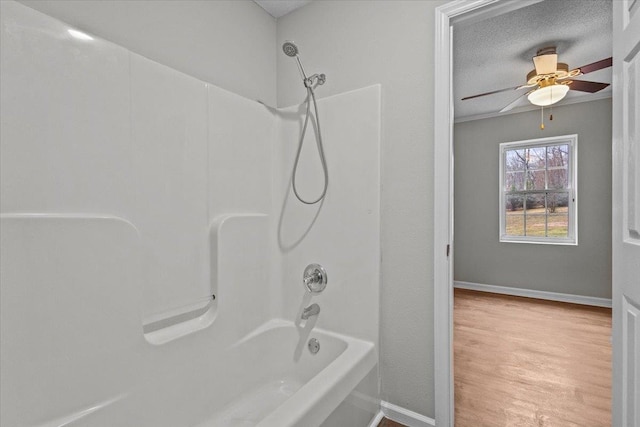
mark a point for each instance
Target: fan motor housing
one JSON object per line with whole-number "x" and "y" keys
{"x": 562, "y": 72}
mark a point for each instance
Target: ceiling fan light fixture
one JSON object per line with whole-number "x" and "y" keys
{"x": 548, "y": 95}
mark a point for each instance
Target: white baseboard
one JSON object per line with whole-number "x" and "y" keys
{"x": 376, "y": 420}
{"x": 405, "y": 416}
{"x": 530, "y": 293}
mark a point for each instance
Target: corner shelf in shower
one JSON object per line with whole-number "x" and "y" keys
{"x": 230, "y": 235}
{"x": 175, "y": 323}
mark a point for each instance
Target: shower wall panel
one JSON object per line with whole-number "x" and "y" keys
{"x": 169, "y": 182}
{"x": 227, "y": 43}
{"x": 241, "y": 137}
{"x": 342, "y": 232}
{"x": 89, "y": 128}
{"x": 65, "y": 119}
{"x": 69, "y": 315}
{"x": 128, "y": 190}
{"x": 69, "y": 292}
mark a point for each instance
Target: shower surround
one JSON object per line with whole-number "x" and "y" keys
{"x": 152, "y": 250}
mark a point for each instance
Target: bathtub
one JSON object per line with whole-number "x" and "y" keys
{"x": 267, "y": 379}
{"x": 288, "y": 385}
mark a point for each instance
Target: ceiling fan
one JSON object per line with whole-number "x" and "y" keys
{"x": 550, "y": 81}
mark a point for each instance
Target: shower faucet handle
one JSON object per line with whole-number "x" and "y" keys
{"x": 315, "y": 278}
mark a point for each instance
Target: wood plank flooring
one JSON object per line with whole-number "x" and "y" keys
{"x": 528, "y": 362}
{"x": 386, "y": 422}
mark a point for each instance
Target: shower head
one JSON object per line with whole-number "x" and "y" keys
{"x": 290, "y": 49}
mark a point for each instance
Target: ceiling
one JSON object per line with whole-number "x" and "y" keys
{"x": 278, "y": 8}
{"x": 497, "y": 53}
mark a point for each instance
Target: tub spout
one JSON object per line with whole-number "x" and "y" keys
{"x": 312, "y": 310}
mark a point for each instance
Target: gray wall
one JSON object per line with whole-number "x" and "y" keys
{"x": 359, "y": 43}
{"x": 479, "y": 256}
{"x": 228, "y": 43}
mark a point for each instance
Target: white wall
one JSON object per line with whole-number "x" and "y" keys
{"x": 225, "y": 42}
{"x": 584, "y": 269}
{"x": 358, "y": 43}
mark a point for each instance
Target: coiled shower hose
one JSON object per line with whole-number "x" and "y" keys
{"x": 311, "y": 97}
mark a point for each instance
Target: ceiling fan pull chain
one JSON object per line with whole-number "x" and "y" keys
{"x": 541, "y": 118}
{"x": 551, "y": 113}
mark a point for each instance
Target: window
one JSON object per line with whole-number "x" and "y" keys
{"x": 538, "y": 191}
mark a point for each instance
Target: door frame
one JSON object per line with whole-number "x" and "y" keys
{"x": 455, "y": 12}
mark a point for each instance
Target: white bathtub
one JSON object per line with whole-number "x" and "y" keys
{"x": 286, "y": 385}
{"x": 267, "y": 379}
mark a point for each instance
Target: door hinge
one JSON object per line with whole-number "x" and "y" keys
{"x": 448, "y": 249}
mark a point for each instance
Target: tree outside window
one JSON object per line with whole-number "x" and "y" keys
{"x": 538, "y": 190}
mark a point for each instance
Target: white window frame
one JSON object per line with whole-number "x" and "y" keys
{"x": 572, "y": 188}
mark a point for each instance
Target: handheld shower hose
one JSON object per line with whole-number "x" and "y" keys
{"x": 290, "y": 49}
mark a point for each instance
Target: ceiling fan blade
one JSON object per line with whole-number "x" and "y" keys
{"x": 546, "y": 64}
{"x": 490, "y": 93}
{"x": 515, "y": 102}
{"x": 595, "y": 66}
{"x": 585, "y": 86}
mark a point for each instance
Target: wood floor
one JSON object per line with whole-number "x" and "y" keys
{"x": 386, "y": 422}
{"x": 528, "y": 362}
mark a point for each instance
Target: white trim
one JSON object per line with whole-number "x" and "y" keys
{"x": 376, "y": 420}
{"x": 443, "y": 212}
{"x": 532, "y": 293}
{"x": 489, "y": 9}
{"x": 404, "y": 416}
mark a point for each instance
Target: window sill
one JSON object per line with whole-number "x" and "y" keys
{"x": 540, "y": 241}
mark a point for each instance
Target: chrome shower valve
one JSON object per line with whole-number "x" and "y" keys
{"x": 315, "y": 278}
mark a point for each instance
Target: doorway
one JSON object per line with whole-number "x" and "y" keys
{"x": 444, "y": 223}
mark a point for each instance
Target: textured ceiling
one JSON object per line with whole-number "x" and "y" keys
{"x": 278, "y": 8}
{"x": 496, "y": 53}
